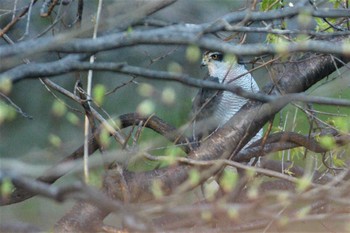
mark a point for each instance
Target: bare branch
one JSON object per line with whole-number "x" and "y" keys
{"x": 183, "y": 35}
{"x": 54, "y": 173}
{"x": 239, "y": 130}
{"x": 139, "y": 198}
{"x": 72, "y": 63}
{"x": 16, "y": 19}
{"x": 288, "y": 140}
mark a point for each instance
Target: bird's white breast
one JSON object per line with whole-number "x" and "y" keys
{"x": 231, "y": 103}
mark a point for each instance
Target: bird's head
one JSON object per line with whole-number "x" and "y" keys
{"x": 217, "y": 63}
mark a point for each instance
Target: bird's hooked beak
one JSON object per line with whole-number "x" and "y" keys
{"x": 204, "y": 61}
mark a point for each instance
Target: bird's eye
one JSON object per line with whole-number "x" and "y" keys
{"x": 216, "y": 57}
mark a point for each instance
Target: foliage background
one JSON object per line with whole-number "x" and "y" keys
{"x": 56, "y": 131}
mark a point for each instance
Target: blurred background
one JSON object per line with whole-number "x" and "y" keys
{"x": 56, "y": 129}
{"x": 24, "y": 137}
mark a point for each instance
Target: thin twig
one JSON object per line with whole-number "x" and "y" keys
{"x": 15, "y": 106}
{"x": 16, "y": 19}
{"x": 89, "y": 91}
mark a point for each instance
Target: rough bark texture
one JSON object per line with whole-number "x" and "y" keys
{"x": 290, "y": 77}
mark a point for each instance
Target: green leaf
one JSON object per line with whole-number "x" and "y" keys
{"x": 282, "y": 46}
{"x": 265, "y": 5}
{"x": 5, "y": 85}
{"x": 283, "y": 221}
{"x": 304, "y": 19}
{"x": 233, "y": 213}
{"x": 104, "y": 138}
{"x": 99, "y": 92}
{"x": 146, "y": 107}
{"x": 346, "y": 45}
{"x": 194, "y": 177}
{"x": 338, "y": 162}
{"x": 168, "y": 96}
{"x": 174, "y": 67}
{"x": 95, "y": 178}
{"x": 145, "y": 90}
{"x": 55, "y": 140}
{"x": 156, "y": 189}
{"x": 206, "y": 215}
{"x": 322, "y": 25}
{"x": 277, "y": 129}
{"x": 7, "y": 113}
{"x": 297, "y": 152}
{"x": 288, "y": 171}
{"x": 303, "y": 183}
{"x": 270, "y": 5}
{"x": 72, "y": 118}
{"x": 336, "y": 3}
{"x": 303, "y": 212}
{"x": 6, "y": 188}
{"x": 116, "y": 123}
{"x": 250, "y": 173}
{"x": 228, "y": 180}
{"x": 342, "y": 124}
{"x": 210, "y": 190}
{"x": 327, "y": 142}
{"x": 271, "y": 38}
{"x": 230, "y": 58}
{"x": 284, "y": 198}
{"x": 193, "y": 53}
{"x": 58, "y": 108}
{"x": 302, "y": 38}
{"x": 171, "y": 154}
{"x": 130, "y": 30}
{"x": 253, "y": 191}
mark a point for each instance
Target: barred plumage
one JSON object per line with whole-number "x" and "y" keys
{"x": 212, "y": 108}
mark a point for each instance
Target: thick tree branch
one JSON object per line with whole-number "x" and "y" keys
{"x": 258, "y": 114}
{"x": 288, "y": 140}
{"x": 227, "y": 141}
{"x": 126, "y": 120}
{"x": 73, "y": 63}
{"x": 137, "y": 11}
{"x": 124, "y": 191}
{"x": 177, "y": 35}
{"x": 180, "y": 34}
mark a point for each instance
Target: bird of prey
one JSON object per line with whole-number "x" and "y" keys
{"x": 211, "y": 108}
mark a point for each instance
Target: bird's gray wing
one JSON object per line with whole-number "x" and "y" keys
{"x": 203, "y": 107}
{"x": 206, "y": 100}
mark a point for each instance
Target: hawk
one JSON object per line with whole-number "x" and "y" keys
{"x": 211, "y": 108}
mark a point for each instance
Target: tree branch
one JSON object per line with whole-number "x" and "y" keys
{"x": 73, "y": 63}
{"x": 297, "y": 77}
{"x": 54, "y": 173}
{"x": 288, "y": 140}
{"x": 183, "y": 35}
